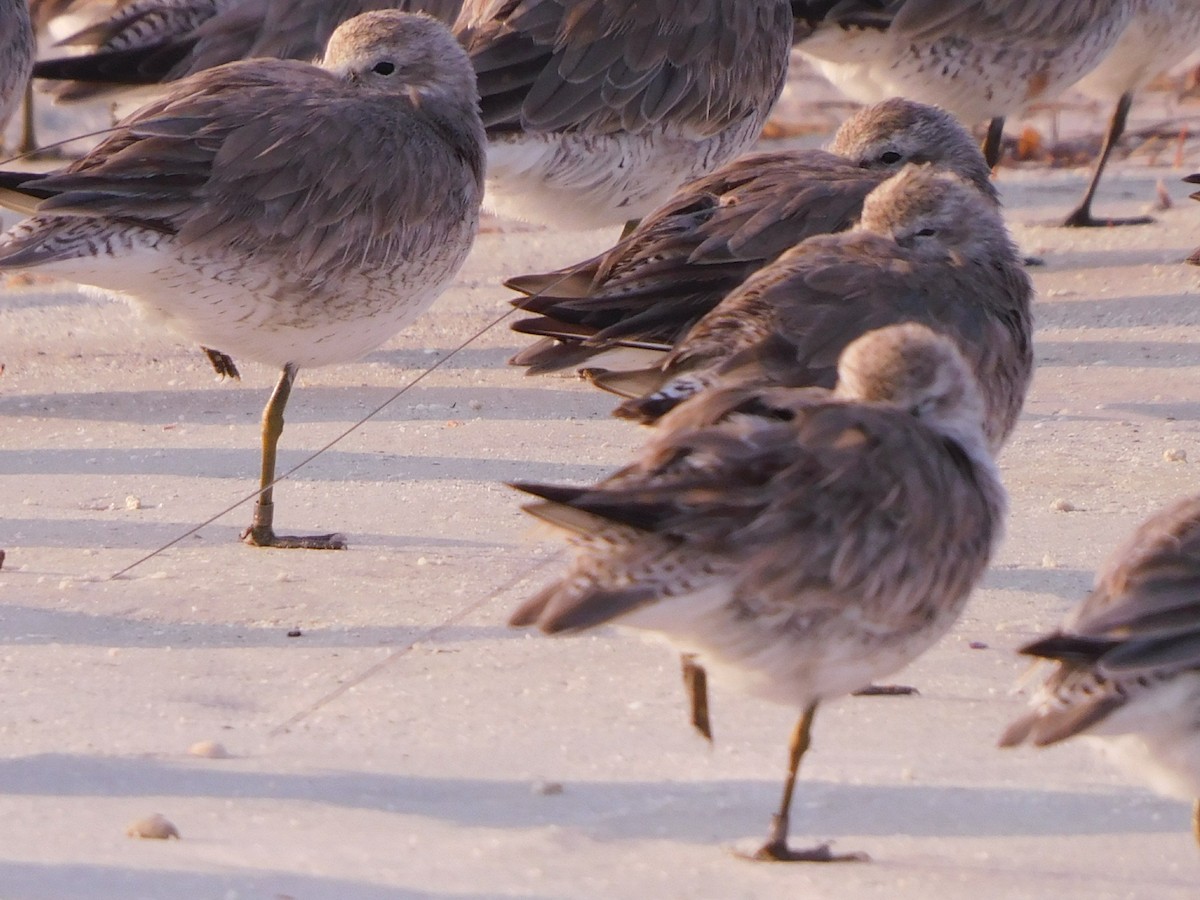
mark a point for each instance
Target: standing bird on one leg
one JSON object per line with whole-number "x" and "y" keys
{"x": 800, "y": 542}
{"x": 293, "y": 214}
{"x": 1126, "y": 669}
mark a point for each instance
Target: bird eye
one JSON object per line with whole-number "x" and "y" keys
{"x": 927, "y": 232}
{"x": 383, "y": 68}
{"x": 890, "y": 158}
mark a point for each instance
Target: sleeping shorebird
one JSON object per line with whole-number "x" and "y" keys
{"x": 293, "y": 214}
{"x": 149, "y": 42}
{"x": 715, "y": 232}
{"x": 1126, "y": 669}
{"x": 789, "y": 538}
{"x": 980, "y": 59}
{"x": 929, "y": 248}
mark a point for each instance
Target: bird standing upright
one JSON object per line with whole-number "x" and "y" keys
{"x": 294, "y": 214}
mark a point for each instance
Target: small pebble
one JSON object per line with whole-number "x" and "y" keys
{"x": 132, "y": 502}
{"x": 208, "y": 750}
{"x": 475, "y": 405}
{"x": 156, "y": 827}
{"x": 977, "y": 645}
{"x": 295, "y": 632}
{"x": 1061, "y": 505}
{"x": 1175, "y": 454}
{"x": 547, "y": 788}
{"x": 1049, "y": 562}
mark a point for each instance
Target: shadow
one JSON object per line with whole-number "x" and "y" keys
{"x": 1139, "y": 312}
{"x": 83, "y": 881}
{"x": 1068, "y": 584}
{"x": 617, "y": 810}
{"x": 225, "y": 402}
{"x": 32, "y": 626}
{"x": 99, "y": 533}
{"x": 420, "y": 358}
{"x": 332, "y": 466}
{"x": 1136, "y": 354}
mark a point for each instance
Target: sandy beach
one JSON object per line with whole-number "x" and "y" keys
{"x": 387, "y": 736}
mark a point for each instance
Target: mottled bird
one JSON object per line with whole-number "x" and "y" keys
{"x": 597, "y": 110}
{"x": 799, "y": 542}
{"x": 1126, "y": 662}
{"x": 979, "y": 59}
{"x": 297, "y": 215}
{"x": 929, "y": 248}
{"x": 715, "y": 232}
{"x": 149, "y": 42}
{"x": 16, "y": 56}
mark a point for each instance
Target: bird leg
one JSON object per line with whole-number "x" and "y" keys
{"x": 1082, "y": 216}
{"x": 1196, "y": 822}
{"x": 776, "y": 848}
{"x": 222, "y": 363}
{"x": 261, "y": 533}
{"x": 695, "y": 683}
{"x": 993, "y": 142}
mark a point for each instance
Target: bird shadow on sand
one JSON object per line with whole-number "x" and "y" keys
{"x": 94, "y": 881}
{"x": 689, "y": 811}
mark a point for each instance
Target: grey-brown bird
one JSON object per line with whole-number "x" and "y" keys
{"x": 799, "y": 542}
{"x": 980, "y": 59}
{"x": 151, "y": 42}
{"x": 293, "y": 214}
{"x": 596, "y": 110}
{"x": 929, "y": 248}
{"x": 1126, "y": 662}
{"x": 16, "y": 56}
{"x": 716, "y": 231}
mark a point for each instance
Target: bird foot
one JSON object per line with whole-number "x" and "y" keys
{"x": 1081, "y": 218}
{"x": 779, "y": 851}
{"x": 888, "y": 690}
{"x": 259, "y": 536}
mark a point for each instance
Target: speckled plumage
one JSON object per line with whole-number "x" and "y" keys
{"x": 718, "y": 230}
{"x": 929, "y": 248}
{"x": 144, "y": 42}
{"x": 16, "y": 55}
{"x": 1127, "y": 659}
{"x": 801, "y": 542}
{"x": 597, "y": 110}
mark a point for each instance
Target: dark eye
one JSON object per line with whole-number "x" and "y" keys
{"x": 927, "y": 232}
{"x": 383, "y": 68}
{"x": 890, "y": 158}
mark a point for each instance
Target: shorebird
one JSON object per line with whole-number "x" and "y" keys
{"x": 718, "y": 230}
{"x": 148, "y": 42}
{"x": 1127, "y": 660}
{"x": 16, "y": 56}
{"x": 800, "y": 542}
{"x": 595, "y": 111}
{"x": 294, "y": 214}
{"x": 929, "y": 248}
{"x": 1160, "y": 34}
{"x": 979, "y": 59}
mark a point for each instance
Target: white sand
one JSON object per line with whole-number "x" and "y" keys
{"x": 404, "y": 745}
